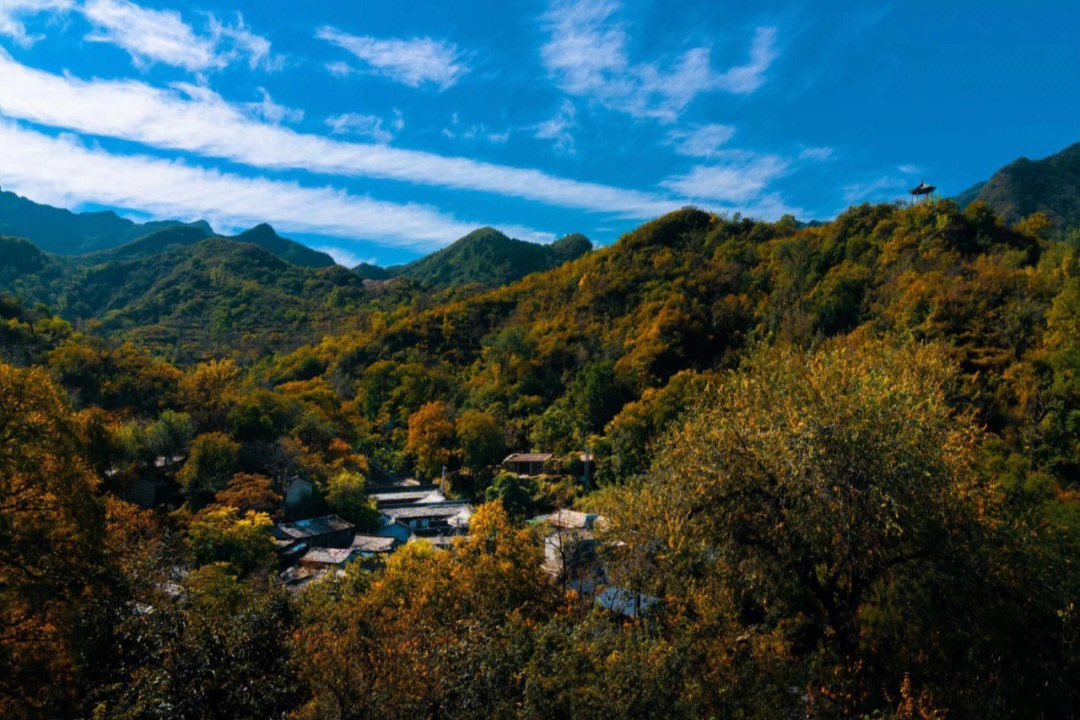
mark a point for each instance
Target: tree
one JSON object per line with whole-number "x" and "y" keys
{"x": 346, "y": 493}
{"x": 209, "y": 391}
{"x": 809, "y": 488}
{"x": 211, "y": 463}
{"x": 250, "y": 492}
{"x": 481, "y": 439}
{"x": 223, "y": 535}
{"x": 518, "y": 495}
{"x": 170, "y": 435}
{"x": 51, "y": 527}
{"x": 431, "y": 436}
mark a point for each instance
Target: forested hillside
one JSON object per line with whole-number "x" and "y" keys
{"x": 840, "y": 461}
{"x": 485, "y": 257}
{"x": 189, "y": 297}
{"x": 1050, "y": 186}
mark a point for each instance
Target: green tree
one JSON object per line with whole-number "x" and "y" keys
{"x": 482, "y": 440}
{"x": 208, "y": 468}
{"x": 346, "y": 493}
{"x": 224, "y": 535}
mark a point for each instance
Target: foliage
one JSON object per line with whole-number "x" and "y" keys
{"x": 431, "y": 434}
{"x": 223, "y": 535}
{"x": 51, "y": 526}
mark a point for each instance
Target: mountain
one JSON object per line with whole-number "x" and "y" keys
{"x": 1050, "y": 185}
{"x": 264, "y": 236}
{"x": 106, "y": 236}
{"x": 63, "y": 232}
{"x": 367, "y": 271}
{"x": 488, "y": 257}
{"x": 186, "y": 295}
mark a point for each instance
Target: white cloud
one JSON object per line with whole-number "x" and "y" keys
{"x": 12, "y": 13}
{"x": 272, "y": 112}
{"x": 363, "y": 125}
{"x": 908, "y": 169}
{"x": 816, "y": 153}
{"x": 199, "y": 121}
{"x": 62, "y": 171}
{"x": 344, "y": 257}
{"x": 339, "y": 68}
{"x": 739, "y": 178}
{"x": 163, "y": 36}
{"x": 413, "y": 62}
{"x": 873, "y": 189}
{"x": 703, "y": 141}
{"x": 557, "y": 128}
{"x": 587, "y": 55}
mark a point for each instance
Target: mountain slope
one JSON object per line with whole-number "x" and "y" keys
{"x": 488, "y": 257}
{"x": 63, "y": 232}
{"x": 186, "y": 295}
{"x": 1050, "y": 185}
{"x": 107, "y": 236}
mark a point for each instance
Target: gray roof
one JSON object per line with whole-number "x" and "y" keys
{"x": 407, "y": 496}
{"x": 625, "y": 602}
{"x": 328, "y": 556}
{"x": 372, "y": 543}
{"x": 528, "y": 457}
{"x": 311, "y": 527}
{"x": 428, "y": 510}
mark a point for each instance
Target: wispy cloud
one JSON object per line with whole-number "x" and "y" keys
{"x": 13, "y": 13}
{"x": 62, "y": 171}
{"x": 557, "y": 129}
{"x": 703, "y": 141}
{"x": 414, "y": 61}
{"x": 205, "y": 124}
{"x": 271, "y": 111}
{"x": 587, "y": 55}
{"x": 162, "y": 36}
{"x": 877, "y": 189}
{"x": 363, "y": 125}
{"x": 739, "y": 178}
{"x": 816, "y": 153}
{"x": 344, "y": 257}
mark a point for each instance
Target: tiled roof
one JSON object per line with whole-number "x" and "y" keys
{"x": 311, "y": 527}
{"x": 432, "y": 510}
{"x": 528, "y": 457}
{"x": 372, "y": 543}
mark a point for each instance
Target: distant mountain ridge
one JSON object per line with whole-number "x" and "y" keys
{"x": 1050, "y": 185}
{"x": 101, "y": 236}
{"x": 486, "y": 257}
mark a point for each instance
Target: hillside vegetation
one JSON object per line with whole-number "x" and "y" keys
{"x": 1050, "y": 186}
{"x": 485, "y": 257}
{"x": 842, "y": 458}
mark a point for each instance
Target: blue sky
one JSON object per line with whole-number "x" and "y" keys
{"x": 380, "y": 131}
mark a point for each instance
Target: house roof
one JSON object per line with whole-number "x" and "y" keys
{"x": 310, "y": 527}
{"x": 428, "y": 510}
{"x": 625, "y": 602}
{"x": 408, "y": 495}
{"x": 572, "y": 519}
{"x": 528, "y": 457}
{"x": 328, "y": 556}
{"x": 373, "y": 543}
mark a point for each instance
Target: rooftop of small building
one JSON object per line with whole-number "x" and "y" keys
{"x": 528, "y": 457}
{"x": 428, "y": 510}
{"x": 311, "y": 527}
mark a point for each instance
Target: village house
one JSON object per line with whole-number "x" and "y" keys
{"x": 328, "y": 531}
{"x": 407, "y": 495}
{"x": 527, "y": 464}
{"x": 448, "y": 518}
